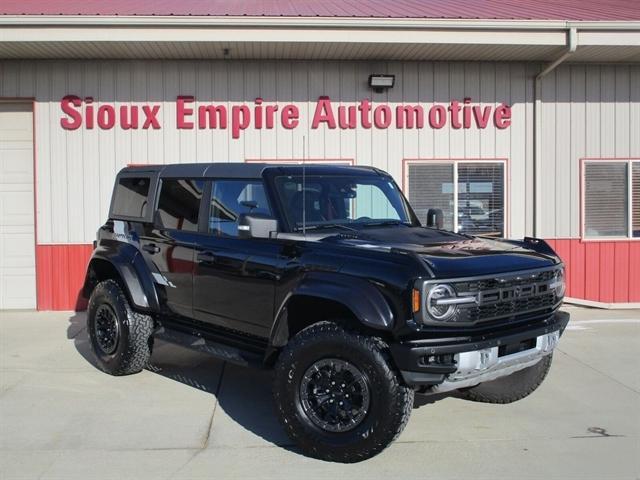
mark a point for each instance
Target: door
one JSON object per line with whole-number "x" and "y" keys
{"x": 234, "y": 278}
{"x": 17, "y": 224}
{"x": 168, "y": 243}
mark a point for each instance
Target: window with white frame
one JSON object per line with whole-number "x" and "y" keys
{"x": 611, "y": 198}
{"x": 471, "y": 195}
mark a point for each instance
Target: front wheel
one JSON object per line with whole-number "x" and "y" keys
{"x": 513, "y": 387}
{"x": 337, "y": 395}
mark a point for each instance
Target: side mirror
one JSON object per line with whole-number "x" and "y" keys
{"x": 256, "y": 225}
{"x": 435, "y": 218}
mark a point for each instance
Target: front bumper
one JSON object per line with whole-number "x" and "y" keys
{"x": 444, "y": 364}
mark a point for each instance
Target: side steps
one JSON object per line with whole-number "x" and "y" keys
{"x": 224, "y": 352}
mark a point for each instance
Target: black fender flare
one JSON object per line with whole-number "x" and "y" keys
{"x": 133, "y": 271}
{"x": 361, "y": 297}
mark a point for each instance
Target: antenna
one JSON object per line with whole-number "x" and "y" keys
{"x": 304, "y": 186}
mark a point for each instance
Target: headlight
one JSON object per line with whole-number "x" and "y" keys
{"x": 438, "y": 304}
{"x": 559, "y": 284}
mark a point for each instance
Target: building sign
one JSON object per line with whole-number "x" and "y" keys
{"x": 78, "y": 112}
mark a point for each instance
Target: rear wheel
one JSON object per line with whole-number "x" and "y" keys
{"x": 337, "y": 395}
{"x": 513, "y": 387}
{"x": 119, "y": 337}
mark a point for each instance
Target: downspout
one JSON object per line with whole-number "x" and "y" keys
{"x": 537, "y": 134}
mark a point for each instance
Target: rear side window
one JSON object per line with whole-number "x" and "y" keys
{"x": 131, "y": 198}
{"x": 179, "y": 204}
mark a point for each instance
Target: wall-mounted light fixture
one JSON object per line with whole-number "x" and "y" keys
{"x": 380, "y": 82}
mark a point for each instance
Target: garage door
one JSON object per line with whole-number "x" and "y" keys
{"x": 17, "y": 249}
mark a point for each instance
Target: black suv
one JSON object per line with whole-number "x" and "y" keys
{"x": 324, "y": 274}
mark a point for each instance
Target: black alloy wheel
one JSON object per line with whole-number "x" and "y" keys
{"x": 335, "y": 395}
{"x": 107, "y": 329}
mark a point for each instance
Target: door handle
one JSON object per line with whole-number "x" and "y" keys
{"x": 151, "y": 248}
{"x": 206, "y": 257}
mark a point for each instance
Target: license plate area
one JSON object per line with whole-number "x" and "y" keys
{"x": 517, "y": 347}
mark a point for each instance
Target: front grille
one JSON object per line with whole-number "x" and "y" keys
{"x": 509, "y": 308}
{"x": 474, "y": 286}
{"x": 504, "y": 296}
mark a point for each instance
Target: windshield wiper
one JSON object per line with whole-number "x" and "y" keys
{"x": 327, "y": 225}
{"x": 384, "y": 222}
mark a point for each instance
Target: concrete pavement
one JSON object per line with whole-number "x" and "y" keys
{"x": 190, "y": 416}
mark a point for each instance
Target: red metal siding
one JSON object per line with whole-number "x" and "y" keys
{"x": 607, "y": 272}
{"x": 590, "y": 10}
{"x": 634, "y": 273}
{"x": 60, "y": 271}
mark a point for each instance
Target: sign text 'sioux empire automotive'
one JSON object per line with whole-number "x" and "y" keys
{"x": 365, "y": 114}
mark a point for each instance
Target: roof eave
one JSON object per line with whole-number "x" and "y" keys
{"x": 311, "y": 22}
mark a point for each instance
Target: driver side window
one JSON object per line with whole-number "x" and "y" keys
{"x": 230, "y": 199}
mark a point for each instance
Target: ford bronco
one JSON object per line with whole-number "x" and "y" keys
{"x": 324, "y": 274}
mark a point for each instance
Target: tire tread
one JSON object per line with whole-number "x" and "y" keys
{"x": 515, "y": 390}
{"x": 402, "y": 394}
{"x": 136, "y": 355}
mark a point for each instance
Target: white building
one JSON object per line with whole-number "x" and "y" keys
{"x": 515, "y": 120}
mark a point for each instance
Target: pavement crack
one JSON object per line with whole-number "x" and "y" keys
{"x": 205, "y": 442}
{"x": 597, "y": 432}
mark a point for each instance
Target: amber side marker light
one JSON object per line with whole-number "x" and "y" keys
{"x": 415, "y": 300}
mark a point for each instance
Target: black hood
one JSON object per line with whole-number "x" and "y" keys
{"x": 450, "y": 254}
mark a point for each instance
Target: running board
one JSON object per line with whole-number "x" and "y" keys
{"x": 223, "y": 352}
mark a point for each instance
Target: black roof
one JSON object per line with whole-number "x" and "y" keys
{"x": 245, "y": 170}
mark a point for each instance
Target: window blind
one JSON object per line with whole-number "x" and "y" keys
{"x": 431, "y": 186}
{"x": 481, "y": 198}
{"x": 606, "y": 199}
{"x": 635, "y": 200}
{"x": 480, "y": 202}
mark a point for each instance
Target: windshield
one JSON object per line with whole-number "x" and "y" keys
{"x": 325, "y": 201}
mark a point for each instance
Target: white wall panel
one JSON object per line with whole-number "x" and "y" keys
{"x": 92, "y": 197}
{"x": 587, "y": 111}
{"x": 300, "y": 97}
{"x": 471, "y": 78}
{"x": 441, "y": 89}
{"x": 634, "y": 110}
{"x": 284, "y": 94}
{"x": 578, "y": 140}
{"x": 331, "y": 80}
{"x": 363, "y": 138}
{"x": 105, "y": 93}
{"x": 530, "y": 72}
{"x": 42, "y": 147}
{"x": 348, "y": 87}
{"x": 75, "y": 163}
{"x": 378, "y": 138}
{"x": 426, "y": 95}
{"x": 562, "y": 154}
{"x": 58, "y": 208}
{"x": 457, "y": 91}
{"x": 518, "y": 148}
{"x": 268, "y": 91}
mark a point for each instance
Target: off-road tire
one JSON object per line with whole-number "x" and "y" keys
{"x": 390, "y": 401}
{"x": 134, "y": 341}
{"x": 511, "y": 388}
